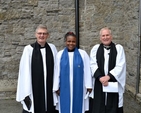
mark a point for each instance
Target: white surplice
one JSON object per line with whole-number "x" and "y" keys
{"x": 87, "y": 83}
{"x": 119, "y": 71}
{"x": 24, "y": 86}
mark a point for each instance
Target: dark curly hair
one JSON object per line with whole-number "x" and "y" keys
{"x": 69, "y": 34}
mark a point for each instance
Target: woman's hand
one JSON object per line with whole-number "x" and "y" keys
{"x": 89, "y": 90}
{"x": 58, "y": 92}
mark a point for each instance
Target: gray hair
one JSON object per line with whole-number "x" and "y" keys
{"x": 105, "y": 28}
{"x": 41, "y": 26}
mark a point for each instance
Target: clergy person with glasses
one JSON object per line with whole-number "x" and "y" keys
{"x": 108, "y": 67}
{"x": 36, "y": 70}
{"x": 72, "y": 78}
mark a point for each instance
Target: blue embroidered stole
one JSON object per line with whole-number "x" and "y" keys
{"x": 78, "y": 66}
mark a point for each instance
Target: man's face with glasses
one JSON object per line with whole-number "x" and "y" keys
{"x": 41, "y": 35}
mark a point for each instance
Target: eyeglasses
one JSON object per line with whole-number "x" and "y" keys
{"x": 40, "y": 33}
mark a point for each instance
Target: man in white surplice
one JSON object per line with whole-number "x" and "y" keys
{"x": 108, "y": 67}
{"x": 35, "y": 80}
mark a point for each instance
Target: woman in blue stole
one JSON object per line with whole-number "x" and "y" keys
{"x": 72, "y": 78}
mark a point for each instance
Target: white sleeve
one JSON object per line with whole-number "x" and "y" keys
{"x": 119, "y": 71}
{"x": 87, "y": 71}
{"x": 93, "y": 63}
{"x": 93, "y": 66}
{"x": 56, "y": 80}
{"x": 24, "y": 87}
{"x": 56, "y": 73}
{"x": 54, "y": 50}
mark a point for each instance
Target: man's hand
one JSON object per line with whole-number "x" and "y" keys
{"x": 27, "y": 101}
{"x": 104, "y": 80}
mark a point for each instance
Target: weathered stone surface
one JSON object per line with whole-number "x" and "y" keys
{"x": 19, "y": 19}
{"x": 8, "y": 85}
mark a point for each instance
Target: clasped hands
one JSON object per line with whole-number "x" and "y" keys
{"x": 104, "y": 80}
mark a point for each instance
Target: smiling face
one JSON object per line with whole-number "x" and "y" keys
{"x": 70, "y": 42}
{"x": 41, "y": 35}
{"x": 105, "y": 36}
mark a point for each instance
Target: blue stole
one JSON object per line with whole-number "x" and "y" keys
{"x": 78, "y": 74}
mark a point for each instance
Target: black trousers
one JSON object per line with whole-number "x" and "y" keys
{"x": 24, "y": 111}
{"x": 120, "y": 110}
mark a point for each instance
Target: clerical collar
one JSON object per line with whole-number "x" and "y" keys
{"x": 107, "y": 47}
{"x": 71, "y": 50}
{"x": 41, "y": 46}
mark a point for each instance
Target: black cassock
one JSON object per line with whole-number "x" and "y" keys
{"x": 97, "y": 105}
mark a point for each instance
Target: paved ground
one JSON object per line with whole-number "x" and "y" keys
{"x": 11, "y": 106}
{"x": 130, "y": 105}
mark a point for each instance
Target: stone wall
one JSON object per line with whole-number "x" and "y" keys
{"x": 122, "y": 17}
{"x": 19, "y": 18}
